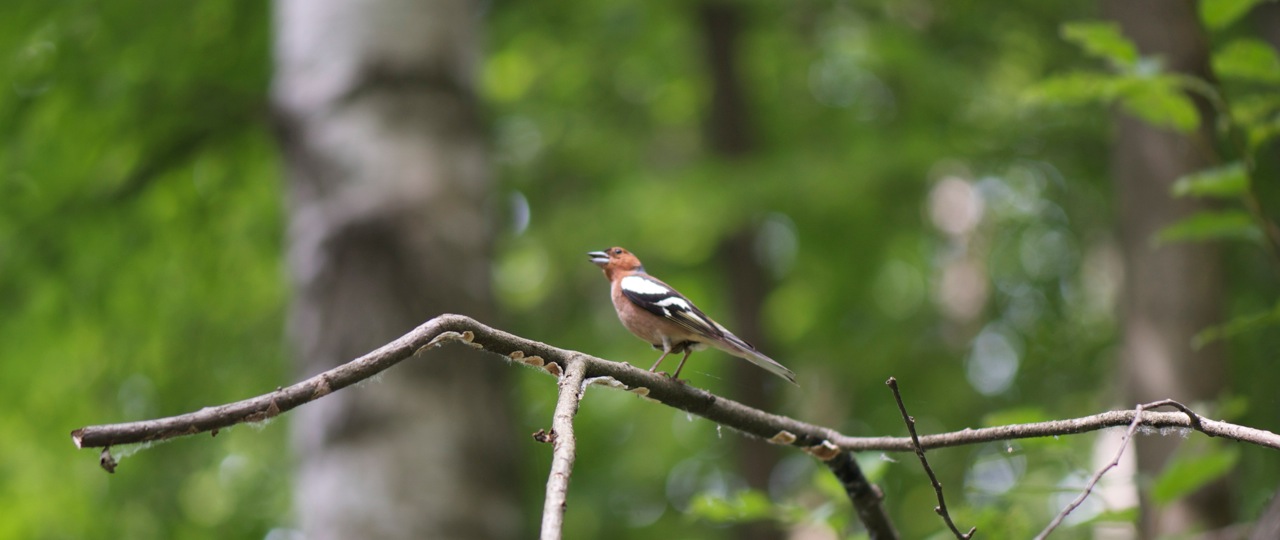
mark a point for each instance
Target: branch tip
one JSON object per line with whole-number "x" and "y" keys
{"x": 941, "y": 509}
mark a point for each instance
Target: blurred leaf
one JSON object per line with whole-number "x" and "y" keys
{"x": 745, "y": 505}
{"x": 1260, "y": 134}
{"x": 1256, "y": 109}
{"x": 1160, "y": 101}
{"x": 1259, "y": 115}
{"x": 1157, "y": 100}
{"x": 1185, "y": 474}
{"x": 1016, "y": 415}
{"x": 1237, "y": 326}
{"x": 1122, "y": 515}
{"x": 1232, "y": 407}
{"x": 1248, "y": 59}
{"x": 1074, "y": 88}
{"x": 1227, "y": 181}
{"x": 1218, "y": 14}
{"x": 1102, "y": 39}
{"x": 1210, "y": 226}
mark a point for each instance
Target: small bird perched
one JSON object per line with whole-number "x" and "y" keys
{"x": 656, "y": 313}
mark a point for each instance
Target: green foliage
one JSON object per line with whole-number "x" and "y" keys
{"x": 1227, "y": 181}
{"x": 1218, "y": 14}
{"x": 141, "y": 255}
{"x": 1247, "y": 110}
{"x": 1249, "y": 322}
{"x": 1259, "y": 118}
{"x": 1160, "y": 101}
{"x": 1016, "y": 415}
{"x": 745, "y": 505}
{"x": 1209, "y": 225}
{"x": 140, "y": 246}
{"x": 1249, "y": 60}
{"x": 857, "y": 113}
{"x": 1104, "y": 40}
{"x": 1190, "y": 469}
{"x": 1074, "y": 88}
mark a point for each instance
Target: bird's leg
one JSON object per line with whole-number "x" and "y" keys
{"x": 666, "y": 349}
{"x": 687, "y": 351}
{"x": 664, "y": 352}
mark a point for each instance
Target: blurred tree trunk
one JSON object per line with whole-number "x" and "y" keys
{"x": 386, "y": 164}
{"x": 728, "y": 134}
{"x": 1266, "y": 19}
{"x": 1171, "y": 291}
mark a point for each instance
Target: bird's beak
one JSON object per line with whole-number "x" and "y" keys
{"x": 599, "y": 258}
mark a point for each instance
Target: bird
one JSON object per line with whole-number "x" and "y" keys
{"x": 660, "y": 315}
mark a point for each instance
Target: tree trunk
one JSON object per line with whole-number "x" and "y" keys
{"x": 729, "y": 136}
{"x": 1171, "y": 291}
{"x": 388, "y": 180}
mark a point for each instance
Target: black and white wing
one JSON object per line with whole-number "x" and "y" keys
{"x": 659, "y": 299}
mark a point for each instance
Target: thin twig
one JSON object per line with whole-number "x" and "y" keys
{"x": 1088, "y": 488}
{"x": 1070, "y": 426}
{"x": 941, "y": 509}
{"x": 565, "y": 449}
{"x": 1115, "y": 461}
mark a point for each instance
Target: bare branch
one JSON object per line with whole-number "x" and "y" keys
{"x": 458, "y": 328}
{"x": 777, "y": 429}
{"x": 941, "y": 509}
{"x": 822, "y": 442}
{"x": 562, "y": 438}
{"x": 1053, "y": 428}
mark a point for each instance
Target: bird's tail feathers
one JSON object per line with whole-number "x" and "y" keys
{"x": 736, "y": 346}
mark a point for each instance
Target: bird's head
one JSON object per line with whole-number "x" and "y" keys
{"x": 616, "y": 259}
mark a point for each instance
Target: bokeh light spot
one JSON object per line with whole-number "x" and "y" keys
{"x": 993, "y": 361}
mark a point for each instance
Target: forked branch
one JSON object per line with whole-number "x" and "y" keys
{"x": 822, "y": 442}
{"x": 565, "y": 445}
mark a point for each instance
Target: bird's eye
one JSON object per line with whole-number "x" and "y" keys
{"x": 617, "y": 251}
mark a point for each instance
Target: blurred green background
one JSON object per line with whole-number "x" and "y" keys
{"x": 915, "y": 215}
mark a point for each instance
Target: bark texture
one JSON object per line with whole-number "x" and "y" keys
{"x": 1171, "y": 291}
{"x": 386, "y": 165}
